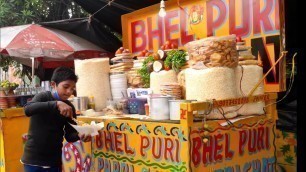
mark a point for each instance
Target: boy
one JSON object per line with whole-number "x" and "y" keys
{"x": 50, "y": 114}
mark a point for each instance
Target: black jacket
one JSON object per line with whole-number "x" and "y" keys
{"x": 46, "y": 131}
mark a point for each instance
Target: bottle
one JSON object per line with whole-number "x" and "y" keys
{"x": 91, "y": 103}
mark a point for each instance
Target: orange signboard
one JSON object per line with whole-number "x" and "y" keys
{"x": 258, "y": 22}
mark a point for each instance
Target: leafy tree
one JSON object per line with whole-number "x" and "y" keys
{"x": 18, "y": 12}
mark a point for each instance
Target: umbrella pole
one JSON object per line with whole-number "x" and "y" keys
{"x": 33, "y": 69}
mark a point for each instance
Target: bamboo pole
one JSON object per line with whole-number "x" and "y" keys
{"x": 259, "y": 82}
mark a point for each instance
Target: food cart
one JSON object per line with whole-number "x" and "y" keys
{"x": 127, "y": 144}
{"x": 133, "y": 143}
{"x": 13, "y": 126}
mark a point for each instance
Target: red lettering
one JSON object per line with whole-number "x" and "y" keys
{"x": 138, "y": 35}
{"x": 127, "y": 149}
{"x": 208, "y": 150}
{"x": 242, "y": 141}
{"x": 157, "y": 33}
{"x": 118, "y": 142}
{"x": 256, "y": 98}
{"x": 185, "y": 38}
{"x": 195, "y": 154}
{"x": 157, "y": 148}
{"x": 262, "y": 17}
{"x": 246, "y": 100}
{"x": 260, "y": 141}
{"x": 218, "y": 148}
{"x": 230, "y": 102}
{"x": 170, "y": 28}
{"x": 222, "y": 103}
{"x": 267, "y": 138}
{"x": 168, "y": 149}
{"x": 228, "y": 153}
{"x": 245, "y": 14}
{"x": 265, "y": 98}
{"x": 108, "y": 140}
{"x": 183, "y": 114}
{"x": 99, "y": 142}
{"x": 252, "y": 140}
{"x": 212, "y": 24}
{"x": 144, "y": 145}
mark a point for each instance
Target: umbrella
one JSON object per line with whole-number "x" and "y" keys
{"x": 30, "y": 41}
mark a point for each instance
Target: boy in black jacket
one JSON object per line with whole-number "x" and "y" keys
{"x": 50, "y": 114}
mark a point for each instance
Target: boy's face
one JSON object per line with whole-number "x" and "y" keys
{"x": 64, "y": 89}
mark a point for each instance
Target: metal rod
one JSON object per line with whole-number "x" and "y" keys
{"x": 33, "y": 69}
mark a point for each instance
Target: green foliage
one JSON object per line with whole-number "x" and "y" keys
{"x": 285, "y": 134}
{"x": 21, "y": 70}
{"x": 289, "y": 159}
{"x": 5, "y": 62}
{"x": 285, "y": 149}
{"x": 168, "y": 62}
{"x": 176, "y": 59}
{"x": 144, "y": 73}
{"x": 16, "y": 12}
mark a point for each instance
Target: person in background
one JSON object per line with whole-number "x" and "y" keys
{"x": 50, "y": 114}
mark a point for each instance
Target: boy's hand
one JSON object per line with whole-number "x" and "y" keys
{"x": 85, "y": 138}
{"x": 64, "y": 109}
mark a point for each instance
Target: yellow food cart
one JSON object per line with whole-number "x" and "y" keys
{"x": 13, "y": 126}
{"x": 189, "y": 144}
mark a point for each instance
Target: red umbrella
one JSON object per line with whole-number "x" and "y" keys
{"x": 27, "y": 41}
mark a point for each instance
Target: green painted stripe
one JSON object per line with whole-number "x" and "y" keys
{"x": 140, "y": 162}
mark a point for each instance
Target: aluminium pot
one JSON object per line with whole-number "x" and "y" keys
{"x": 159, "y": 107}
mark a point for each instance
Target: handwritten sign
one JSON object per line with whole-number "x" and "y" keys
{"x": 135, "y": 146}
{"x": 248, "y": 147}
{"x": 141, "y": 147}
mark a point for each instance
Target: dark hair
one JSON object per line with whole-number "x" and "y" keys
{"x": 61, "y": 74}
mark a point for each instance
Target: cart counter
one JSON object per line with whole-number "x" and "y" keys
{"x": 127, "y": 144}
